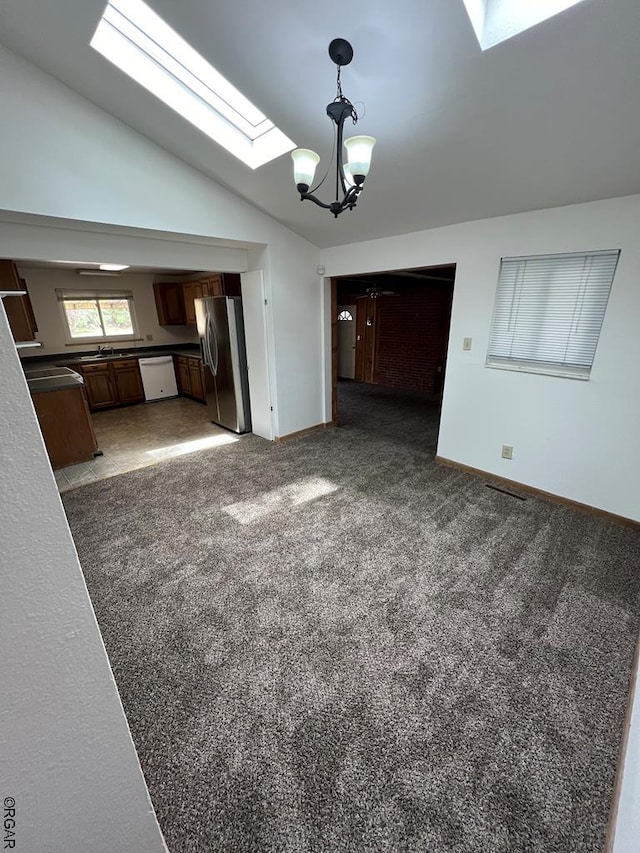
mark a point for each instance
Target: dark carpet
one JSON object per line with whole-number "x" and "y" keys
{"x": 334, "y": 644}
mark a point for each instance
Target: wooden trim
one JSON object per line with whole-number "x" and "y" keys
{"x": 302, "y": 432}
{"x": 622, "y": 754}
{"x": 540, "y": 493}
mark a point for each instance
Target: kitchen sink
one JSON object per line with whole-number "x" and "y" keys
{"x": 105, "y": 357}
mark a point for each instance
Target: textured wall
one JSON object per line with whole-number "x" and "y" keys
{"x": 67, "y": 756}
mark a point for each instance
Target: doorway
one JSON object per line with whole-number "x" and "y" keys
{"x": 390, "y": 331}
{"x": 347, "y": 341}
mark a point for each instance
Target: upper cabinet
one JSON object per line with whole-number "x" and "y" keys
{"x": 169, "y": 303}
{"x": 175, "y": 301}
{"x": 192, "y": 290}
{"x": 212, "y": 285}
{"x": 19, "y": 309}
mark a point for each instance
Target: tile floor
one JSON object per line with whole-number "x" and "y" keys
{"x": 145, "y": 434}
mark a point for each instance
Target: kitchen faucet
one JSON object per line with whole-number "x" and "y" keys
{"x": 102, "y": 350}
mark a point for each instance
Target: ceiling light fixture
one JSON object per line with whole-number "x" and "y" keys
{"x": 350, "y": 176}
{"x": 114, "y": 267}
{"x": 97, "y": 272}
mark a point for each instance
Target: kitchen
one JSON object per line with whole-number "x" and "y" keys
{"x": 96, "y": 344}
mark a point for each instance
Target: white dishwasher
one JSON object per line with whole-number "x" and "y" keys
{"x": 158, "y": 377}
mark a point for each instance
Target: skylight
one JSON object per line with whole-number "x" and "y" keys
{"x": 141, "y": 44}
{"x": 496, "y": 21}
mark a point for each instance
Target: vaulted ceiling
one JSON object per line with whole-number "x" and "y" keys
{"x": 549, "y": 117}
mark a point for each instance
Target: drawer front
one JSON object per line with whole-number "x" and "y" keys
{"x": 125, "y": 363}
{"x": 93, "y": 368}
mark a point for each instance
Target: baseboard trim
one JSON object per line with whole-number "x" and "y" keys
{"x": 540, "y": 493}
{"x": 622, "y": 754}
{"x": 302, "y": 432}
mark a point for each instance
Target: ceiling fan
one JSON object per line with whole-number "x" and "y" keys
{"x": 375, "y": 292}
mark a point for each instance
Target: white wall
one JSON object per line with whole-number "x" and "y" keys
{"x": 63, "y": 157}
{"x": 67, "y": 755}
{"x": 572, "y": 438}
{"x": 42, "y": 284}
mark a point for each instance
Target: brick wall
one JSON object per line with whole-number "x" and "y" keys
{"x": 412, "y": 338}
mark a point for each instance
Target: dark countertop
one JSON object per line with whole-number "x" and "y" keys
{"x": 41, "y": 379}
{"x": 91, "y": 357}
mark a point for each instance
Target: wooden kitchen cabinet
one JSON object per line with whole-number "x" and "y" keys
{"x": 231, "y": 284}
{"x": 221, "y": 284}
{"x": 212, "y": 285}
{"x": 183, "y": 375}
{"x": 175, "y": 300}
{"x": 99, "y": 385}
{"x": 66, "y": 426}
{"x": 29, "y": 309}
{"x": 170, "y": 303}
{"x": 19, "y": 309}
{"x": 195, "y": 374}
{"x": 191, "y": 377}
{"x": 128, "y": 381}
{"x": 112, "y": 383}
{"x": 192, "y": 290}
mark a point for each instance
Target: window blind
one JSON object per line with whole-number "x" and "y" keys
{"x": 549, "y": 311}
{"x": 79, "y": 295}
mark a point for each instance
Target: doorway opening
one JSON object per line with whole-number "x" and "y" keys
{"x": 390, "y": 333}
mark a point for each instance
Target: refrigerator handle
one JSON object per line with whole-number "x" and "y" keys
{"x": 206, "y": 348}
{"x": 211, "y": 337}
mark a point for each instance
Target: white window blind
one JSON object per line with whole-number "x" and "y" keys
{"x": 549, "y": 311}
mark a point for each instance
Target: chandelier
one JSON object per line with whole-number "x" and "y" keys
{"x": 350, "y": 176}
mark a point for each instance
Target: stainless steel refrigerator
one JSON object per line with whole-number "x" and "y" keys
{"x": 221, "y": 330}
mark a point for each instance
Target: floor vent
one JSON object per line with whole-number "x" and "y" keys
{"x": 505, "y": 492}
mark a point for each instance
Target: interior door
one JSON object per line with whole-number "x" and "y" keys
{"x": 347, "y": 341}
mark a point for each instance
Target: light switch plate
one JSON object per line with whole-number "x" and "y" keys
{"x": 466, "y": 344}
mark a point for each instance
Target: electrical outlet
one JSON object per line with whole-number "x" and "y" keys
{"x": 507, "y": 451}
{"x": 466, "y": 344}
{"x": 149, "y": 337}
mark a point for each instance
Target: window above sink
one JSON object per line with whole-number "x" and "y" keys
{"x": 97, "y": 316}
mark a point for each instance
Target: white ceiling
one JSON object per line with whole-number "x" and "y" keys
{"x": 71, "y": 268}
{"x": 550, "y": 117}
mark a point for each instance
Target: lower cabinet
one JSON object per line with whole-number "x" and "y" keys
{"x": 99, "y": 385}
{"x": 128, "y": 381}
{"x": 66, "y": 426}
{"x": 183, "y": 375}
{"x": 112, "y": 383}
{"x": 195, "y": 375}
{"x": 190, "y": 377}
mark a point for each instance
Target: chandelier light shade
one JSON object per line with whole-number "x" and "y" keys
{"x": 359, "y": 150}
{"x": 349, "y": 176}
{"x": 304, "y": 166}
